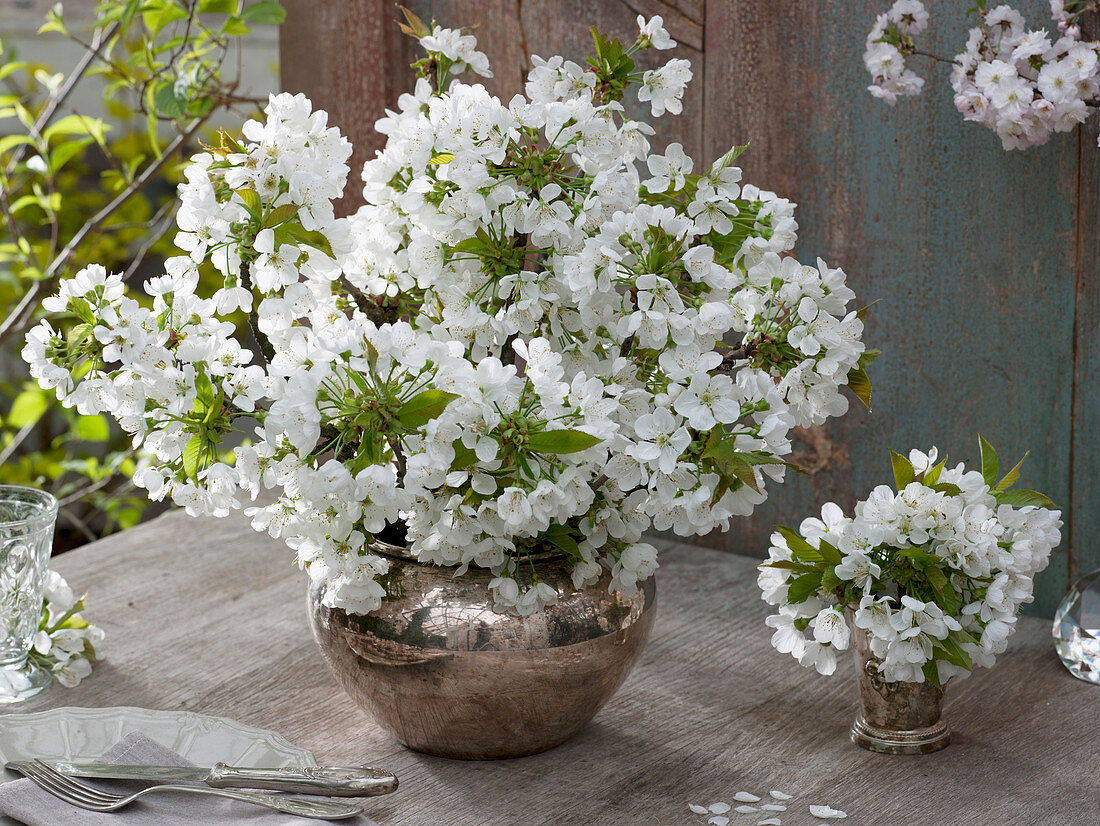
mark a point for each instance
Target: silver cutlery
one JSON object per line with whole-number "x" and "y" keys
{"x": 327, "y": 781}
{"x": 95, "y": 800}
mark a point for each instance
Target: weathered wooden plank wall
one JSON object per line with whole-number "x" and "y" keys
{"x": 985, "y": 260}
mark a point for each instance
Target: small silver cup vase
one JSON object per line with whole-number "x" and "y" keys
{"x": 26, "y": 538}
{"x": 895, "y": 717}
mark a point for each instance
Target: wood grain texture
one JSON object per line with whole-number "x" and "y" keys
{"x": 207, "y": 615}
{"x": 985, "y": 260}
{"x": 970, "y": 248}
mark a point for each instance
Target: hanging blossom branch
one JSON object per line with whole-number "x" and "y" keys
{"x": 1024, "y": 85}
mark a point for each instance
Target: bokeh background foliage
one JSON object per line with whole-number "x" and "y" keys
{"x": 90, "y": 153}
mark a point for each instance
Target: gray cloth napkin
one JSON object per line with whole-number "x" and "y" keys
{"x": 27, "y": 803}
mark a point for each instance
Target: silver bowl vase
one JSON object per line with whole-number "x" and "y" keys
{"x": 445, "y": 674}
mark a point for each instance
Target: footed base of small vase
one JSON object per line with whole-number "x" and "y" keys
{"x": 889, "y": 741}
{"x": 21, "y": 683}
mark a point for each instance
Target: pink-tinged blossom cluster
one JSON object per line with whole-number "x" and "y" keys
{"x": 519, "y": 340}
{"x": 1023, "y": 84}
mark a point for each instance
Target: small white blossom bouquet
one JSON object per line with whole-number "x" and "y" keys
{"x": 1023, "y": 84}
{"x": 934, "y": 572}
{"x": 519, "y": 342}
{"x": 65, "y": 642}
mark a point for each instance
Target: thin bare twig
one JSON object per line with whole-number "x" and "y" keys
{"x": 158, "y": 226}
{"x": 17, "y": 440}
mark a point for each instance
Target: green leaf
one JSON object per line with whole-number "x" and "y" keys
{"x": 803, "y": 587}
{"x": 464, "y": 456}
{"x": 28, "y": 407}
{"x": 932, "y": 475}
{"x": 191, "y": 454}
{"x": 830, "y": 581}
{"x": 251, "y": 200}
{"x": 128, "y": 13}
{"x": 218, "y": 6}
{"x": 903, "y": 470}
{"x": 167, "y": 103}
{"x": 829, "y": 553}
{"x": 799, "y": 547}
{"x": 1010, "y": 478}
{"x": 265, "y": 12}
{"x": 788, "y": 565}
{"x": 561, "y": 441}
{"x": 280, "y": 215}
{"x": 561, "y": 537}
{"x": 950, "y": 651}
{"x": 235, "y": 27}
{"x": 311, "y": 237}
{"x": 77, "y": 125}
{"x": 860, "y": 385}
{"x": 932, "y": 673}
{"x": 441, "y": 158}
{"x": 947, "y": 599}
{"x": 93, "y": 428}
{"x": 921, "y": 559}
{"x": 423, "y": 407}
{"x": 950, "y": 488}
{"x": 65, "y": 153}
{"x": 861, "y": 314}
{"x": 1021, "y": 498}
{"x": 989, "y": 461}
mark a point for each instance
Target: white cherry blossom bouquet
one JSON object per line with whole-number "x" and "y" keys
{"x": 519, "y": 342}
{"x": 65, "y": 642}
{"x": 934, "y": 571}
{"x": 1023, "y": 84}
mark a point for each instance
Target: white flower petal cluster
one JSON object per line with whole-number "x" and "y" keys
{"x": 65, "y": 643}
{"x": 518, "y": 341}
{"x": 888, "y": 43}
{"x": 1025, "y": 85}
{"x": 937, "y": 568}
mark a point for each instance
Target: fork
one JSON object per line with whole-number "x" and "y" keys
{"x": 95, "y": 800}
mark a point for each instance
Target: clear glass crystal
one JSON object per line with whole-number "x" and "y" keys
{"x": 1077, "y": 629}
{"x": 26, "y": 539}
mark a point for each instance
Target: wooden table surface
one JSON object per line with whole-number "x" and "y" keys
{"x": 209, "y": 616}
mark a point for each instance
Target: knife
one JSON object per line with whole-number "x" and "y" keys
{"x": 329, "y": 781}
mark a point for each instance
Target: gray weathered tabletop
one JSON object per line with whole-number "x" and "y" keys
{"x": 207, "y": 615}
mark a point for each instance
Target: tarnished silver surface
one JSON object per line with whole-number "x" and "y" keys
{"x": 328, "y": 781}
{"x": 895, "y": 717}
{"x": 447, "y": 675}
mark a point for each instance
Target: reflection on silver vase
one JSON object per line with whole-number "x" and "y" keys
{"x": 445, "y": 674}
{"x": 895, "y": 717}
{"x": 26, "y": 538}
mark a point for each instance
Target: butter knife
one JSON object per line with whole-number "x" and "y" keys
{"x": 329, "y": 781}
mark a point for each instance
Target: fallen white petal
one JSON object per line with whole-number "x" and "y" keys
{"x": 771, "y": 821}
{"x": 774, "y": 807}
{"x": 746, "y": 809}
{"x": 720, "y": 808}
{"x": 699, "y": 810}
{"x": 827, "y": 812}
{"x": 718, "y": 820}
{"x": 780, "y": 795}
{"x": 746, "y": 797}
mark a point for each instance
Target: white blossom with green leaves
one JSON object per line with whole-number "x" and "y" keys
{"x": 518, "y": 342}
{"x": 935, "y": 571}
{"x": 65, "y": 642}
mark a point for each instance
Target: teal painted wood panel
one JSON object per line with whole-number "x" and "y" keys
{"x": 985, "y": 260}
{"x": 971, "y": 249}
